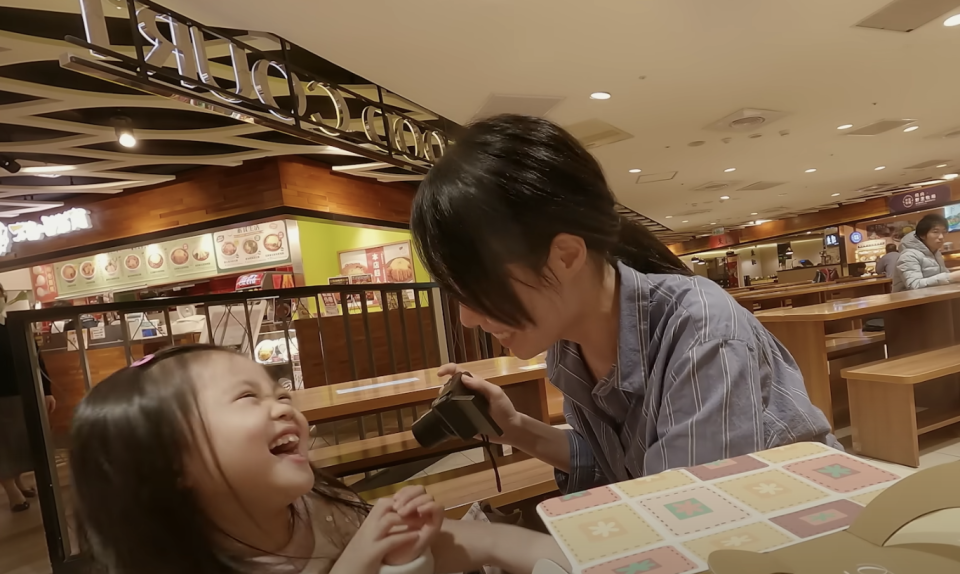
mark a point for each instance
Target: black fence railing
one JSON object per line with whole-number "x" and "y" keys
{"x": 305, "y": 337}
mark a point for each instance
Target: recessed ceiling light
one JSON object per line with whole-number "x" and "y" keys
{"x": 942, "y": 165}
{"x": 950, "y": 175}
{"x": 635, "y": 170}
{"x": 754, "y": 213}
{"x": 685, "y": 221}
{"x": 952, "y": 21}
{"x": 845, "y": 127}
{"x": 729, "y": 169}
{"x": 835, "y": 195}
{"x": 724, "y": 197}
{"x": 713, "y": 223}
{"x": 811, "y": 170}
{"x": 911, "y": 129}
{"x": 761, "y": 221}
{"x": 879, "y": 167}
{"x": 923, "y": 183}
{"x": 600, "y": 96}
{"x": 669, "y": 217}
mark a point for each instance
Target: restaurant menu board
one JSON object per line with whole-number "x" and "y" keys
{"x": 952, "y": 213}
{"x": 44, "y": 281}
{"x": 252, "y": 246}
{"x": 168, "y": 262}
{"x": 390, "y": 263}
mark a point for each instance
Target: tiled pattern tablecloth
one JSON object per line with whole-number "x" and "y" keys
{"x": 670, "y": 522}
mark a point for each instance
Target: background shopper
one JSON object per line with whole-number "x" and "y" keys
{"x": 887, "y": 264}
{"x": 659, "y": 369}
{"x": 921, "y": 264}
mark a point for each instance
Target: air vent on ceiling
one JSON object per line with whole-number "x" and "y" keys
{"x": 762, "y": 185}
{"x": 596, "y": 133}
{"x": 907, "y": 15}
{"x": 498, "y": 104}
{"x": 874, "y": 188}
{"x": 880, "y": 127}
{"x": 716, "y": 185}
{"x": 693, "y": 212}
{"x": 746, "y": 120}
{"x": 655, "y": 177}
{"x": 928, "y": 164}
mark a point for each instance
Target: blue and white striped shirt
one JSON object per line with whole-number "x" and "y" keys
{"x": 697, "y": 379}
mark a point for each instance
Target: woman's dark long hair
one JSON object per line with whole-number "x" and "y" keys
{"x": 129, "y": 440}
{"x": 500, "y": 196}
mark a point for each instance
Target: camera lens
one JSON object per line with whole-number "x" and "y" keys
{"x": 431, "y": 430}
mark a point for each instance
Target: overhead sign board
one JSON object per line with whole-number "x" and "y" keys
{"x": 920, "y": 199}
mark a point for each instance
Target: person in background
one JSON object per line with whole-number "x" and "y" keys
{"x": 659, "y": 369}
{"x": 15, "y": 457}
{"x": 921, "y": 264}
{"x": 887, "y": 264}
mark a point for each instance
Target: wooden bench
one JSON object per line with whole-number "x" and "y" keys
{"x": 522, "y": 478}
{"x": 378, "y": 452}
{"x": 884, "y": 417}
{"x": 848, "y": 343}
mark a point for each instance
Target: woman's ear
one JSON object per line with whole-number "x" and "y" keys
{"x": 568, "y": 254}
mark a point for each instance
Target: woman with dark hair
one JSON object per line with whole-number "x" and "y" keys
{"x": 920, "y": 263}
{"x": 659, "y": 369}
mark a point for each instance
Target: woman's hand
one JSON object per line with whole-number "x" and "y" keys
{"x": 421, "y": 514}
{"x": 501, "y": 407}
{"x": 374, "y": 540}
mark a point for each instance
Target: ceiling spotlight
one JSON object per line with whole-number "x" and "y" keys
{"x": 761, "y": 221}
{"x": 942, "y": 165}
{"x": 879, "y": 167}
{"x": 811, "y": 170}
{"x": 695, "y": 259}
{"x": 951, "y": 175}
{"x": 600, "y": 96}
{"x": 635, "y": 170}
{"x": 911, "y": 129}
{"x": 724, "y": 197}
{"x": 669, "y": 217}
{"x": 788, "y": 252}
{"x": 835, "y": 195}
{"x": 685, "y": 221}
{"x": 123, "y": 127}
{"x": 701, "y": 262}
{"x": 9, "y": 164}
{"x": 729, "y": 169}
{"x": 754, "y": 213}
{"x": 952, "y": 21}
{"x": 713, "y": 223}
{"x": 845, "y": 127}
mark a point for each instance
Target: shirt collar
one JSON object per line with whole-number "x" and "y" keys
{"x": 631, "y": 349}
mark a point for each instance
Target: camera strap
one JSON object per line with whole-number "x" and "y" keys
{"x": 493, "y": 460}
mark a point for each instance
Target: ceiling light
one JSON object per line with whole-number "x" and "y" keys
{"x": 911, "y": 128}
{"x": 835, "y": 195}
{"x": 701, "y": 262}
{"x": 724, "y": 197}
{"x": 951, "y": 176}
{"x": 729, "y": 169}
{"x": 942, "y": 165}
{"x": 635, "y": 170}
{"x": 952, "y": 21}
{"x": 48, "y": 168}
{"x": 879, "y": 167}
{"x": 754, "y": 213}
{"x": 685, "y": 221}
{"x": 669, "y": 217}
{"x": 600, "y": 96}
{"x": 923, "y": 183}
{"x": 811, "y": 170}
{"x": 761, "y": 221}
{"x": 713, "y": 223}
{"x": 9, "y": 164}
{"x": 123, "y": 127}
{"x": 845, "y": 127}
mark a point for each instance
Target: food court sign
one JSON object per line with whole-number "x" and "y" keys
{"x": 49, "y": 226}
{"x": 385, "y": 133}
{"x": 920, "y": 199}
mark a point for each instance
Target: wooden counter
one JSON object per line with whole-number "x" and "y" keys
{"x": 369, "y": 396}
{"x": 814, "y": 293}
{"x": 918, "y": 320}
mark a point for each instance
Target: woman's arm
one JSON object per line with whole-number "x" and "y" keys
{"x": 465, "y": 545}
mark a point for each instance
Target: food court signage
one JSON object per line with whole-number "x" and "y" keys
{"x": 920, "y": 199}
{"x": 385, "y": 133}
{"x": 49, "y": 226}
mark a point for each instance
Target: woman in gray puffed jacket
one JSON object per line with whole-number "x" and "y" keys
{"x": 921, "y": 264}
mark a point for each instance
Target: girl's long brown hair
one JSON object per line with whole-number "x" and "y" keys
{"x": 129, "y": 439}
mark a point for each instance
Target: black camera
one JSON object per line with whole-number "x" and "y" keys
{"x": 457, "y": 413}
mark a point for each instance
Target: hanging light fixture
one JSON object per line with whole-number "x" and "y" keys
{"x": 123, "y": 127}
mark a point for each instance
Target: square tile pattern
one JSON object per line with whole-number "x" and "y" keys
{"x": 669, "y": 523}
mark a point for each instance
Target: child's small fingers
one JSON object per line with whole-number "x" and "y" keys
{"x": 404, "y": 495}
{"x": 388, "y": 523}
{"x": 392, "y": 542}
{"x": 411, "y": 506}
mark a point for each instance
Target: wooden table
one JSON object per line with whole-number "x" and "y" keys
{"x": 524, "y": 382}
{"x": 814, "y": 293}
{"x": 674, "y": 520}
{"x": 917, "y": 320}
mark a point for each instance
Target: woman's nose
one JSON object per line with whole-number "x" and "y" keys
{"x": 469, "y": 318}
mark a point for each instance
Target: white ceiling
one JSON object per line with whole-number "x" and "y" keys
{"x": 673, "y": 67}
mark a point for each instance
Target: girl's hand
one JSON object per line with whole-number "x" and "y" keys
{"x": 501, "y": 407}
{"x": 374, "y": 540}
{"x": 422, "y": 515}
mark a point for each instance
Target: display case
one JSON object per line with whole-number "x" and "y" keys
{"x": 869, "y": 251}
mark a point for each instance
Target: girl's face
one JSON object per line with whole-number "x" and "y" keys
{"x": 256, "y": 437}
